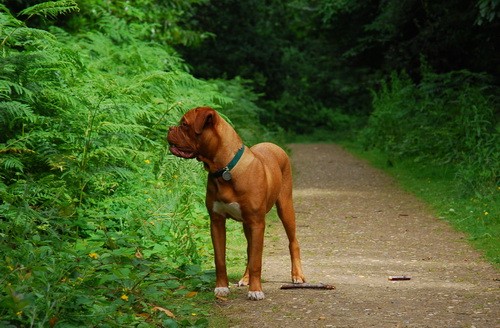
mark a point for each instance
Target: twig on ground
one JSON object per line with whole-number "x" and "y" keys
{"x": 307, "y": 285}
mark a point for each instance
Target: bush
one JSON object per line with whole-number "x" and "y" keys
{"x": 446, "y": 119}
{"x": 99, "y": 225}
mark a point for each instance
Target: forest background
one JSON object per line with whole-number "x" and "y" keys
{"x": 101, "y": 226}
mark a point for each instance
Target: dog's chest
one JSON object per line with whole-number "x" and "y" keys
{"x": 231, "y": 210}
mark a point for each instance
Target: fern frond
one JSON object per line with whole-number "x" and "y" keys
{"x": 115, "y": 28}
{"x": 24, "y": 36}
{"x": 6, "y": 19}
{"x": 58, "y": 100}
{"x": 51, "y": 9}
{"x": 120, "y": 127}
{"x": 11, "y": 162}
{"x": 11, "y": 111}
{"x": 118, "y": 171}
{"x": 7, "y": 88}
{"x": 111, "y": 153}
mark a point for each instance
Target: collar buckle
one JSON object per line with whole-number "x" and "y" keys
{"x": 225, "y": 172}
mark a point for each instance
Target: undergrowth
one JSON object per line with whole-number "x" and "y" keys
{"x": 99, "y": 225}
{"x": 445, "y": 119}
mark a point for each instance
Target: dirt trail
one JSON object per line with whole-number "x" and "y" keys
{"x": 356, "y": 228}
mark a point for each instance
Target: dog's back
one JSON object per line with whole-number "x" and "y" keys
{"x": 271, "y": 154}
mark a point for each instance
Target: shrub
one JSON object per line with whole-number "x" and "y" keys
{"x": 444, "y": 119}
{"x": 98, "y": 223}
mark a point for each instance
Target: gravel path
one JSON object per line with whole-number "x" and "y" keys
{"x": 357, "y": 228}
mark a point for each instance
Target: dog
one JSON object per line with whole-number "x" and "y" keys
{"x": 244, "y": 183}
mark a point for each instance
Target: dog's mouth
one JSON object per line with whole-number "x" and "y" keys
{"x": 180, "y": 152}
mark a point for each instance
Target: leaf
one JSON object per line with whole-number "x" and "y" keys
{"x": 51, "y": 9}
{"x": 10, "y": 162}
{"x": 221, "y": 298}
{"x": 191, "y": 294}
{"x": 143, "y": 315}
{"x": 167, "y": 312}
{"x": 8, "y": 88}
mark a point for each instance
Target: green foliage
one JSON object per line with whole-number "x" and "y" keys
{"x": 244, "y": 110}
{"x": 99, "y": 224}
{"x": 446, "y": 119}
{"x": 488, "y": 11}
{"x": 310, "y": 57}
{"x": 51, "y": 9}
{"x": 162, "y": 21}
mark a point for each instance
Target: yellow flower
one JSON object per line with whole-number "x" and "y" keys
{"x": 124, "y": 297}
{"x": 20, "y": 313}
{"x": 95, "y": 256}
{"x": 486, "y": 213}
{"x": 147, "y": 161}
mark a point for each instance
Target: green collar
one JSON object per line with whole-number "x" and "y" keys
{"x": 224, "y": 173}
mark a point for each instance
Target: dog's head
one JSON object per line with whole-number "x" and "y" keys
{"x": 191, "y": 135}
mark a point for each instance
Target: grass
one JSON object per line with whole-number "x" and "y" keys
{"x": 477, "y": 215}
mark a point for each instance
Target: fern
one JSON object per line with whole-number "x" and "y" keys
{"x": 57, "y": 101}
{"x": 12, "y": 111}
{"x": 7, "y": 20}
{"x": 117, "y": 29}
{"x": 83, "y": 120}
{"x": 15, "y": 32}
{"x": 9, "y": 162}
{"x": 51, "y": 9}
{"x": 27, "y": 37}
{"x": 7, "y": 88}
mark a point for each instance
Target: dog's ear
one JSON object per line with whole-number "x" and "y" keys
{"x": 205, "y": 117}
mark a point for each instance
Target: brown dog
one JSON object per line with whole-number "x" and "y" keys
{"x": 243, "y": 184}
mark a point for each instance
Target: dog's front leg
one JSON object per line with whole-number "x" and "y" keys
{"x": 255, "y": 239}
{"x": 245, "y": 279}
{"x": 218, "y": 232}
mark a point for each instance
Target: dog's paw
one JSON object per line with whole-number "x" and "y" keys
{"x": 298, "y": 280}
{"x": 243, "y": 282}
{"x": 221, "y": 291}
{"x": 256, "y": 295}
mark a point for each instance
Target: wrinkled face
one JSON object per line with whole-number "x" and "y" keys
{"x": 185, "y": 139}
